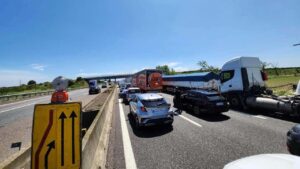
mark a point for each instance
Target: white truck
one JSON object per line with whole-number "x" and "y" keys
{"x": 243, "y": 84}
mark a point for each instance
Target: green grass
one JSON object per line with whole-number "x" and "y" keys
{"x": 282, "y": 80}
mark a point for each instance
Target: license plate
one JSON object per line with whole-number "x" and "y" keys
{"x": 220, "y": 104}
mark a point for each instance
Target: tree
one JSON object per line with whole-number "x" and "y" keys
{"x": 265, "y": 65}
{"x": 31, "y": 82}
{"x": 204, "y": 67}
{"x": 70, "y": 82}
{"x": 78, "y": 79}
{"x": 164, "y": 68}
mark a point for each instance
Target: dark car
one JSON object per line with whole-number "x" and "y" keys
{"x": 293, "y": 140}
{"x": 202, "y": 101}
{"x": 93, "y": 87}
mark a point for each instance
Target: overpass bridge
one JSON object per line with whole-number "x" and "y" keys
{"x": 111, "y": 76}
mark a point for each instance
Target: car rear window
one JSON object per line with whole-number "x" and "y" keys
{"x": 154, "y": 103}
{"x": 134, "y": 91}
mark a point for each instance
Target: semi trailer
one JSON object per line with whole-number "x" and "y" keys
{"x": 204, "y": 80}
{"x": 147, "y": 80}
{"x": 243, "y": 83}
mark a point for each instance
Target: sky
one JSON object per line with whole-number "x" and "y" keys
{"x": 42, "y": 39}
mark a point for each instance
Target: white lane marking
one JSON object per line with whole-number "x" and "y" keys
{"x": 17, "y": 107}
{"x": 189, "y": 120}
{"x": 260, "y": 117}
{"x": 128, "y": 153}
{"x": 40, "y": 98}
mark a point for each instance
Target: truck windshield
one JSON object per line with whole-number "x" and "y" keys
{"x": 154, "y": 103}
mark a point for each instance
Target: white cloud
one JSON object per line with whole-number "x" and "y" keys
{"x": 39, "y": 67}
{"x": 15, "y": 77}
{"x": 170, "y": 64}
{"x": 181, "y": 69}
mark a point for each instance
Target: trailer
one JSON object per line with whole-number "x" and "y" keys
{"x": 204, "y": 80}
{"x": 148, "y": 80}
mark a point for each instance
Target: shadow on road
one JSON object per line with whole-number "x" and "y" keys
{"x": 271, "y": 114}
{"x": 151, "y": 131}
{"x": 210, "y": 117}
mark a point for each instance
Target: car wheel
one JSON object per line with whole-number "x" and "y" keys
{"x": 137, "y": 123}
{"x": 196, "y": 110}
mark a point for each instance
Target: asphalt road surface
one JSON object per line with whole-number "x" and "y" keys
{"x": 194, "y": 141}
{"x": 16, "y": 120}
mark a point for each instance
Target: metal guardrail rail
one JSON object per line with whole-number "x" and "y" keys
{"x": 21, "y": 96}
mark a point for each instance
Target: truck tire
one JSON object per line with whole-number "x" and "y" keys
{"x": 235, "y": 102}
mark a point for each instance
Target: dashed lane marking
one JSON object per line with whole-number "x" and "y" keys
{"x": 189, "y": 120}
{"x": 128, "y": 153}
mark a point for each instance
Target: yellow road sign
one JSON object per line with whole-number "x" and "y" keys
{"x": 56, "y": 132}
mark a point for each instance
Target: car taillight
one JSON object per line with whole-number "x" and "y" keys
{"x": 143, "y": 109}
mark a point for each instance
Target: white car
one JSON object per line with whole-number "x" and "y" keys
{"x": 266, "y": 161}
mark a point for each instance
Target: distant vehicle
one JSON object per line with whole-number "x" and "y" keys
{"x": 130, "y": 93}
{"x": 150, "y": 109}
{"x": 202, "y": 101}
{"x": 123, "y": 94}
{"x": 265, "y": 161}
{"x": 93, "y": 87}
{"x": 293, "y": 140}
{"x": 148, "y": 80}
{"x": 124, "y": 86}
{"x": 203, "y": 80}
{"x": 104, "y": 85}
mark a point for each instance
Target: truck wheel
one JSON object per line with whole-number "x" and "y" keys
{"x": 235, "y": 102}
{"x": 196, "y": 110}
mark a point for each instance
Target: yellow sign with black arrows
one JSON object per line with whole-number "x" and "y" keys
{"x": 56, "y": 136}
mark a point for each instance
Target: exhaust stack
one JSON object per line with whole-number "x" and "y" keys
{"x": 298, "y": 89}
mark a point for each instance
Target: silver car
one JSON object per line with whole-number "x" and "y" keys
{"x": 150, "y": 109}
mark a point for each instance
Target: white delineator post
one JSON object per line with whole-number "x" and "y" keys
{"x": 298, "y": 89}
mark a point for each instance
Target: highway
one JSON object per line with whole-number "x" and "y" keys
{"x": 207, "y": 142}
{"x": 16, "y": 120}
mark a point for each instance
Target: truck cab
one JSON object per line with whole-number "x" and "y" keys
{"x": 238, "y": 76}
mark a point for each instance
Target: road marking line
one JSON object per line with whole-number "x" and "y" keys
{"x": 189, "y": 120}
{"x": 17, "y": 107}
{"x": 128, "y": 153}
{"x": 39, "y": 98}
{"x": 260, "y": 117}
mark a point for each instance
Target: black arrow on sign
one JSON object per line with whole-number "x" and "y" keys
{"x": 62, "y": 117}
{"x": 51, "y": 146}
{"x": 73, "y": 116}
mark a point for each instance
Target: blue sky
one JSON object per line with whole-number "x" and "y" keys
{"x": 43, "y": 39}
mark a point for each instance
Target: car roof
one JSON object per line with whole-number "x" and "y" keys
{"x": 149, "y": 96}
{"x": 202, "y": 91}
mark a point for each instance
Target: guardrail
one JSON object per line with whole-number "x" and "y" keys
{"x": 22, "y": 96}
{"x": 5, "y": 98}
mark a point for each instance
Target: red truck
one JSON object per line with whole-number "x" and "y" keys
{"x": 148, "y": 80}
